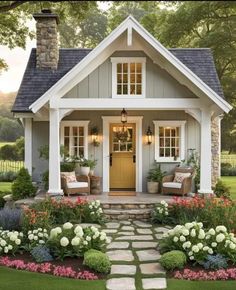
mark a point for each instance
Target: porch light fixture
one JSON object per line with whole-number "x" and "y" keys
{"x": 123, "y": 116}
{"x": 149, "y": 136}
{"x": 94, "y": 133}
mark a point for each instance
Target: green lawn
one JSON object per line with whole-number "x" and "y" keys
{"x": 5, "y": 186}
{"x": 231, "y": 181}
{"x": 174, "y": 284}
{"x": 15, "y": 279}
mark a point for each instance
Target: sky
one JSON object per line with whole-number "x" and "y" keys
{"x": 17, "y": 60}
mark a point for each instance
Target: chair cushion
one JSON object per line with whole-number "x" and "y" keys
{"x": 69, "y": 176}
{"x": 77, "y": 184}
{"x": 172, "y": 184}
{"x": 180, "y": 176}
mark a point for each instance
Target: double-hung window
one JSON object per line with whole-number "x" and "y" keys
{"x": 169, "y": 141}
{"x": 128, "y": 77}
{"x": 74, "y": 138}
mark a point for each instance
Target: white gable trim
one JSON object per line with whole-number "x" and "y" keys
{"x": 76, "y": 74}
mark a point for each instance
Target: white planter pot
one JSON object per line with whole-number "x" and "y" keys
{"x": 152, "y": 187}
{"x": 84, "y": 170}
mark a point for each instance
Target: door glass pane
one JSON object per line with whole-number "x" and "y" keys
{"x": 123, "y": 147}
{"x": 129, "y": 147}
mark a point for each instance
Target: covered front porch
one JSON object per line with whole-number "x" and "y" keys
{"x": 195, "y": 125}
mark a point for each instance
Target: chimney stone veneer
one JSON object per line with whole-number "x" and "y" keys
{"x": 47, "y": 52}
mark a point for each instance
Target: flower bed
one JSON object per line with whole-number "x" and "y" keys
{"x": 222, "y": 274}
{"x": 51, "y": 211}
{"x": 210, "y": 211}
{"x": 50, "y": 268}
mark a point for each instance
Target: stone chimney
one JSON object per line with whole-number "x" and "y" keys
{"x": 47, "y": 52}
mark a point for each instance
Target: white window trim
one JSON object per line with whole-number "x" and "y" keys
{"x": 78, "y": 123}
{"x": 175, "y": 123}
{"x": 114, "y": 61}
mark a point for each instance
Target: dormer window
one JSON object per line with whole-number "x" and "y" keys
{"x": 128, "y": 77}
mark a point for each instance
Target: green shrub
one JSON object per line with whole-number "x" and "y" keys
{"x": 22, "y": 187}
{"x": 97, "y": 261}
{"x": 221, "y": 189}
{"x": 45, "y": 179}
{"x": 173, "y": 260}
{"x": 8, "y": 152}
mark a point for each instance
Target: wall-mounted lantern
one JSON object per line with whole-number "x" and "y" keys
{"x": 95, "y": 140}
{"x": 149, "y": 136}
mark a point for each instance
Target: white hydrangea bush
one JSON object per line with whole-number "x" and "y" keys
{"x": 73, "y": 240}
{"x": 95, "y": 211}
{"x": 10, "y": 241}
{"x": 160, "y": 212}
{"x": 37, "y": 237}
{"x": 197, "y": 242}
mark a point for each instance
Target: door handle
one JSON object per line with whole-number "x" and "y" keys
{"x": 134, "y": 158}
{"x": 111, "y": 159}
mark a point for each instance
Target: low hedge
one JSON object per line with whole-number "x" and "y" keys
{"x": 97, "y": 261}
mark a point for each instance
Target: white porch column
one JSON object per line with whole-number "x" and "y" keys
{"x": 54, "y": 153}
{"x": 205, "y": 162}
{"x": 28, "y": 144}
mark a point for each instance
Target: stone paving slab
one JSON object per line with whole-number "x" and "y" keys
{"x": 143, "y": 245}
{"x": 120, "y": 255}
{"x": 118, "y": 245}
{"x": 142, "y": 224}
{"x": 126, "y": 233}
{"x": 127, "y": 228}
{"x": 144, "y": 231}
{"x": 154, "y": 283}
{"x": 161, "y": 230}
{"x": 110, "y": 231}
{"x": 148, "y": 255}
{"x": 112, "y": 225}
{"x": 152, "y": 268}
{"x": 121, "y": 283}
{"x": 136, "y": 238}
{"x": 123, "y": 269}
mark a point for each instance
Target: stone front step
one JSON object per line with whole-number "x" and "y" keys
{"x": 134, "y": 214}
{"x": 126, "y": 205}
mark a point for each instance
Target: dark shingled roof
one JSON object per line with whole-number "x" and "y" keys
{"x": 36, "y": 82}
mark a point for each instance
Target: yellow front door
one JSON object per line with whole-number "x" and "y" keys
{"x": 122, "y": 157}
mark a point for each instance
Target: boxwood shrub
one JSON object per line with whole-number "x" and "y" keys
{"x": 173, "y": 260}
{"x": 97, "y": 261}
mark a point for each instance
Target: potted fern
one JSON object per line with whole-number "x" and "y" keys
{"x": 154, "y": 178}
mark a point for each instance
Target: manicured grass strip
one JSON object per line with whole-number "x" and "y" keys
{"x": 12, "y": 279}
{"x": 230, "y": 181}
{"x": 5, "y": 186}
{"x": 174, "y": 284}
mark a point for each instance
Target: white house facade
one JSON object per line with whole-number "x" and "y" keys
{"x": 175, "y": 94}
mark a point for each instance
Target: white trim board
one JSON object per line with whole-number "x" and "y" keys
{"x": 107, "y": 120}
{"x": 105, "y": 49}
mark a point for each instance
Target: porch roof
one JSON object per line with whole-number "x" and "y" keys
{"x": 36, "y": 82}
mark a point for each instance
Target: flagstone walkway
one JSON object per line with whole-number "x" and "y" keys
{"x": 134, "y": 256}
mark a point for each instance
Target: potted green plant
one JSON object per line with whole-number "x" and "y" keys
{"x": 92, "y": 165}
{"x": 154, "y": 178}
{"x": 85, "y": 165}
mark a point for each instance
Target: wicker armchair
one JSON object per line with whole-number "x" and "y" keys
{"x": 169, "y": 186}
{"x": 81, "y": 186}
